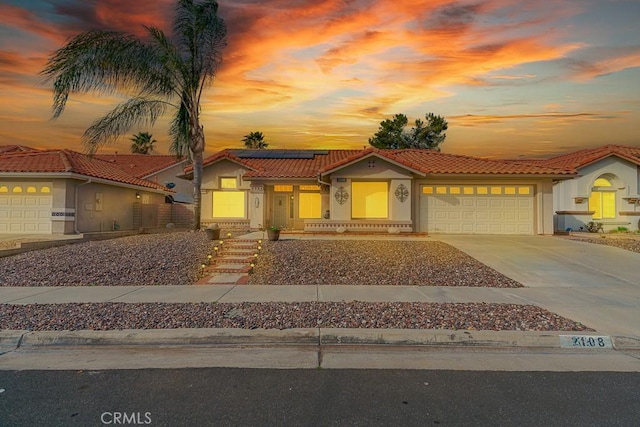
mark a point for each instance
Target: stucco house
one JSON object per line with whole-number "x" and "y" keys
{"x": 378, "y": 190}
{"x": 604, "y": 191}
{"x": 65, "y": 192}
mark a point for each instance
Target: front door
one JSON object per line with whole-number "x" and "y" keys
{"x": 281, "y": 210}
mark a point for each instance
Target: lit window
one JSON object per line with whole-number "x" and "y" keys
{"x": 482, "y": 190}
{"x": 427, "y": 190}
{"x": 454, "y": 190}
{"x": 309, "y": 188}
{"x": 31, "y": 190}
{"x": 370, "y": 199}
{"x": 228, "y": 204}
{"x": 229, "y": 183}
{"x": 441, "y": 190}
{"x": 468, "y": 190}
{"x": 603, "y": 204}
{"x": 496, "y": 190}
{"x": 602, "y": 182}
{"x": 4, "y": 189}
{"x": 45, "y": 190}
{"x": 509, "y": 190}
{"x": 524, "y": 190}
{"x": 17, "y": 189}
{"x": 310, "y": 205}
{"x": 283, "y": 188}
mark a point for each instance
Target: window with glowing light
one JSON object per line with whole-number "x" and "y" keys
{"x": 370, "y": 200}
{"x": 602, "y": 201}
{"x": 231, "y": 183}
{"x": 310, "y": 205}
{"x": 228, "y": 204}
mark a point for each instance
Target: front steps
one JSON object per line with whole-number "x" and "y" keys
{"x": 230, "y": 263}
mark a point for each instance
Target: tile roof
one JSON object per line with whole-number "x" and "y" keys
{"x": 67, "y": 161}
{"x": 5, "y": 149}
{"x": 433, "y": 162}
{"x": 140, "y": 165}
{"x": 581, "y": 158}
{"x": 423, "y": 161}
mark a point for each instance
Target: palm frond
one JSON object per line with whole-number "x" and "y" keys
{"x": 179, "y": 132}
{"x": 135, "y": 111}
{"x": 104, "y": 61}
{"x": 201, "y": 36}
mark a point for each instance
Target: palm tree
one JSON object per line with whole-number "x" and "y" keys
{"x": 255, "y": 141}
{"x": 142, "y": 143}
{"x": 159, "y": 72}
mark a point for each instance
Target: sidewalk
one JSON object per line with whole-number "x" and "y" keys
{"x": 593, "y": 284}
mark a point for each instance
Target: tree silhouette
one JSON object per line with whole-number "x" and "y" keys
{"x": 161, "y": 71}
{"x": 142, "y": 143}
{"x": 429, "y": 134}
{"x": 255, "y": 141}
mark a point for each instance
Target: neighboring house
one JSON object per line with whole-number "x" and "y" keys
{"x": 378, "y": 190}
{"x": 605, "y": 190}
{"x": 65, "y": 192}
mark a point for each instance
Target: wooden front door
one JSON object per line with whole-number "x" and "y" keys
{"x": 281, "y": 210}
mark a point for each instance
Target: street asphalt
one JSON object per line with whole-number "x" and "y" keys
{"x": 596, "y": 285}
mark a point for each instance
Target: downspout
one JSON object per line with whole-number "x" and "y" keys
{"x": 75, "y": 221}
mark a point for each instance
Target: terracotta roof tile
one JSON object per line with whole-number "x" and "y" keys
{"x": 6, "y": 149}
{"x": 67, "y": 161}
{"x": 140, "y": 165}
{"x": 581, "y": 158}
{"x": 433, "y": 162}
{"x": 425, "y": 161}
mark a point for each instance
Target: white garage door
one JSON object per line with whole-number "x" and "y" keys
{"x": 25, "y": 209}
{"x": 477, "y": 209}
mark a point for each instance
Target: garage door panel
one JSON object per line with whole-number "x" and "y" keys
{"x": 22, "y": 213}
{"x": 478, "y": 213}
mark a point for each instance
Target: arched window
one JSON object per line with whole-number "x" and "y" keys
{"x": 31, "y": 189}
{"x": 45, "y": 190}
{"x": 602, "y": 200}
{"x": 4, "y": 189}
{"x": 17, "y": 189}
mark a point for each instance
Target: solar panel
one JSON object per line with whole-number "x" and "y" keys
{"x": 279, "y": 154}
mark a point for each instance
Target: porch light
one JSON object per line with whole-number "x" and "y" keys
{"x": 137, "y": 195}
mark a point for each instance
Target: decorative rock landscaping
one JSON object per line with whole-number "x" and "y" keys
{"x": 372, "y": 262}
{"x": 278, "y": 315}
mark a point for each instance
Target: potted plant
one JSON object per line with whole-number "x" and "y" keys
{"x": 273, "y": 233}
{"x": 213, "y": 231}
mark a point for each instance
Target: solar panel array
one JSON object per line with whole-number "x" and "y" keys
{"x": 278, "y": 154}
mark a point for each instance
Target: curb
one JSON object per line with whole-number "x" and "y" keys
{"x": 11, "y": 340}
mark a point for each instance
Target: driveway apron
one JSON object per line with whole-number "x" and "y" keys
{"x": 596, "y": 285}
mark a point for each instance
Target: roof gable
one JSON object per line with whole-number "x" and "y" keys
{"x": 582, "y": 158}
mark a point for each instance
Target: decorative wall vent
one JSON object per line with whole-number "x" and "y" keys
{"x": 341, "y": 195}
{"x": 402, "y": 193}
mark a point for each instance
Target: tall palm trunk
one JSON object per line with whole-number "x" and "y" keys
{"x": 197, "y": 141}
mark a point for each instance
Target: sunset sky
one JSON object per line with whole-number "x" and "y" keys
{"x": 513, "y": 78}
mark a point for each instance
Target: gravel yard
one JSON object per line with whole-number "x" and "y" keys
{"x": 624, "y": 241}
{"x": 146, "y": 259}
{"x": 372, "y": 262}
{"x": 275, "y": 315}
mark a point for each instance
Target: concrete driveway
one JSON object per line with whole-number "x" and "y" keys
{"x": 596, "y": 285}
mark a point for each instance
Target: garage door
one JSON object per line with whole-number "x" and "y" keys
{"x": 477, "y": 209}
{"x": 25, "y": 209}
